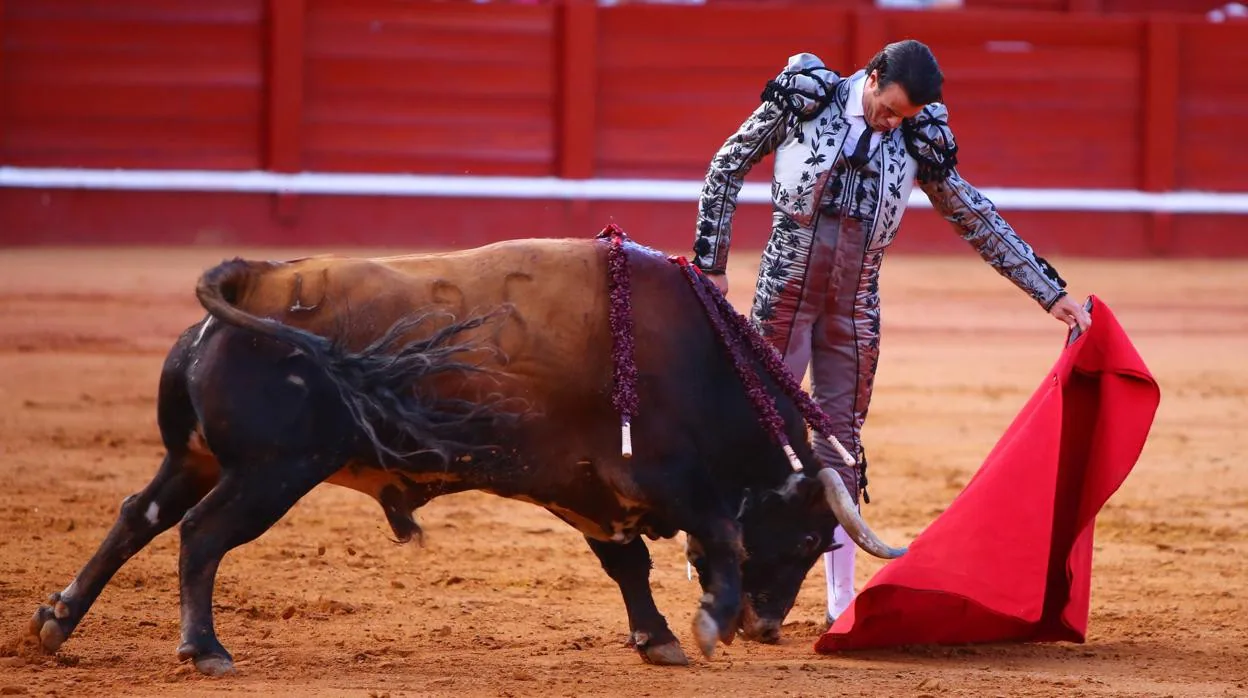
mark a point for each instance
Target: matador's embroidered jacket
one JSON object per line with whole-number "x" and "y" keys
{"x": 801, "y": 120}
{"x": 817, "y": 294}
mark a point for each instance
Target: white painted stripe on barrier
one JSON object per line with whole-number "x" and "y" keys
{"x": 687, "y": 191}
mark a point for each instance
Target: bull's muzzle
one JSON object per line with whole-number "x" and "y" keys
{"x": 758, "y": 629}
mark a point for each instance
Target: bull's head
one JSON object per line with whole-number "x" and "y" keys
{"x": 784, "y": 532}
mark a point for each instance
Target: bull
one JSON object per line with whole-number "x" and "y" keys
{"x": 492, "y": 369}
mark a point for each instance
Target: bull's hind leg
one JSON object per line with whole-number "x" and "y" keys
{"x": 245, "y": 504}
{"x": 182, "y": 480}
{"x": 629, "y": 566}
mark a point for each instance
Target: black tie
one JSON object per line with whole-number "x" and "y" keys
{"x": 859, "y": 158}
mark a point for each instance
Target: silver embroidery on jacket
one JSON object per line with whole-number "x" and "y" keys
{"x": 814, "y": 193}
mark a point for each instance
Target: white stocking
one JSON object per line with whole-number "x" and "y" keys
{"x": 840, "y": 569}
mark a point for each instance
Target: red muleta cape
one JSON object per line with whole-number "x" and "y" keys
{"x": 1010, "y": 560}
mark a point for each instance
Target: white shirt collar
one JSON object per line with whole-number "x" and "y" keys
{"x": 853, "y": 104}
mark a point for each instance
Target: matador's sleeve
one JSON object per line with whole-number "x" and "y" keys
{"x": 931, "y": 143}
{"x": 799, "y": 92}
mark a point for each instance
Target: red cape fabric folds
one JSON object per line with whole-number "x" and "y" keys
{"x": 1010, "y": 560}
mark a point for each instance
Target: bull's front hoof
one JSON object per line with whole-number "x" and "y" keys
{"x": 50, "y": 625}
{"x": 208, "y": 662}
{"x": 705, "y": 631}
{"x": 215, "y": 666}
{"x": 666, "y": 654}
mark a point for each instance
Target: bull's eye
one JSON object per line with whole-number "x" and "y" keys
{"x": 810, "y": 543}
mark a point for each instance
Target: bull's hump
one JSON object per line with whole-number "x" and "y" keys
{"x": 529, "y": 256}
{"x": 554, "y": 291}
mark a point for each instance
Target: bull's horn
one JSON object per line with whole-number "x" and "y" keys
{"x": 843, "y": 506}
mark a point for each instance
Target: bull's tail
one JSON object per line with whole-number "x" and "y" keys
{"x": 222, "y": 286}
{"x": 379, "y": 384}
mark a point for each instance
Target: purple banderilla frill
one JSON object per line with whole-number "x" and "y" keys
{"x": 624, "y": 391}
{"x": 734, "y": 333}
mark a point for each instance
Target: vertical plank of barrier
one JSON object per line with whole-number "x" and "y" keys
{"x": 283, "y": 124}
{"x": 576, "y": 92}
{"x": 576, "y": 107}
{"x": 4, "y": 87}
{"x": 1160, "y": 109}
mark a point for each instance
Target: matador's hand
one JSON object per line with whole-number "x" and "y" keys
{"x": 1071, "y": 312}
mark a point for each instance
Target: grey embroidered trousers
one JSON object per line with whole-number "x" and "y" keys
{"x": 823, "y": 312}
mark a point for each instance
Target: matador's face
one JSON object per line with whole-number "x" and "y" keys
{"x": 885, "y": 108}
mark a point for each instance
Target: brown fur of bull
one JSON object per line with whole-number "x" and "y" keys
{"x": 406, "y": 378}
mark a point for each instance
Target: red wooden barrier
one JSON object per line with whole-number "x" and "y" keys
{"x": 573, "y": 90}
{"x": 578, "y": 62}
{"x": 1095, "y": 6}
{"x": 1080, "y": 96}
{"x": 443, "y": 88}
{"x": 284, "y": 86}
{"x": 4, "y": 97}
{"x": 1213, "y": 106}
{"x": 1039, "y": 100}
{"x": 132, "y": 84}
{"x": 284, "y": 96}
